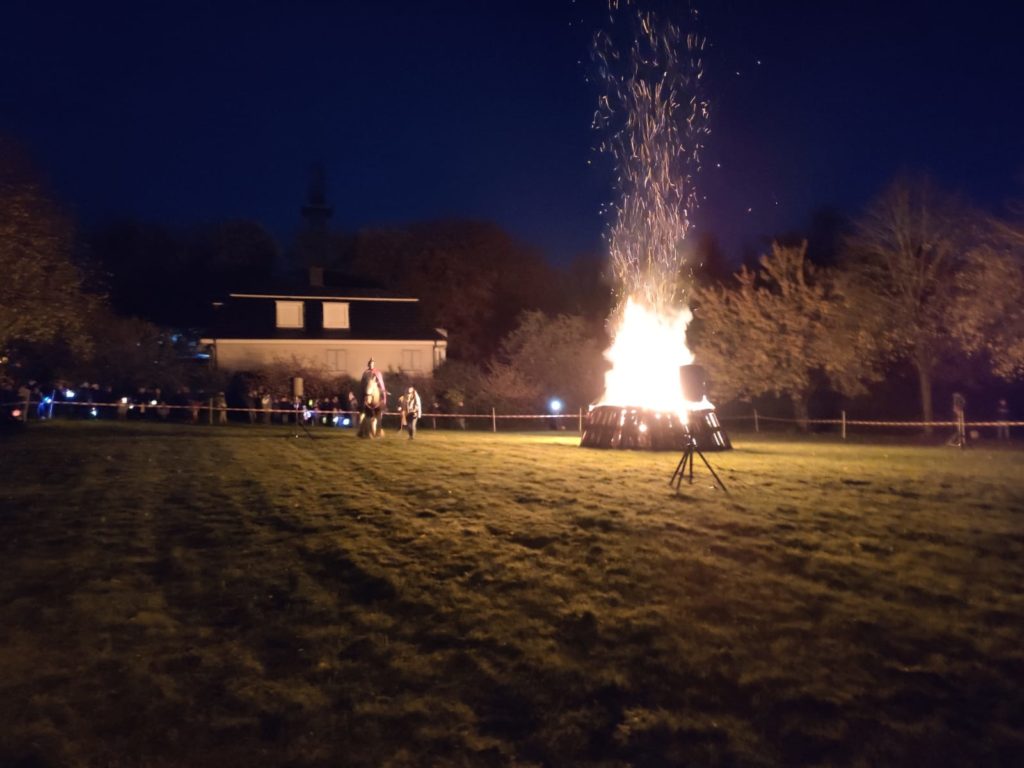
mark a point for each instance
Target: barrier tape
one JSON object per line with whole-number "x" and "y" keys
{"x": 205, "y": 406}
{"x": 866, "y": 423}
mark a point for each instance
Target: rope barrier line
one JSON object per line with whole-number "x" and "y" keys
{"x": 868, "y": 423}
{"x": 206, "y": 406}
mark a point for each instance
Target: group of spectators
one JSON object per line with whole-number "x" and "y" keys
{"x": 92, "y": 400}
{"x": 361, "y": 407}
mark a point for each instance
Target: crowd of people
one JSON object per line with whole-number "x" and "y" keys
{"x": 93, "y": 400}
{"x": 362, "y": 407}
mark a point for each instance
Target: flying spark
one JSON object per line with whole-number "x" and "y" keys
{"x": 653, "y": 117}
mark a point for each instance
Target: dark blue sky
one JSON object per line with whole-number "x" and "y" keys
{"x": 188, "y": 112}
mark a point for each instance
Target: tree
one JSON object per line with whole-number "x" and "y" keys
{"x": 988, "y": 311}
{"x": 782, "y": 328}
{"x": 546, "y": 356}
{"x": 129, "y": 352}
{"x": 905, "y": 251}
{"x": 586, "y": 288}
{"x": 41, "y": 297}
{"x": 458, "y": 381}
{"x": 232, "y": 255}
{"x": 170, "y": 276}
{"x": 471, "y": 277}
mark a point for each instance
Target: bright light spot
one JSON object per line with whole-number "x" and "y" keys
{"x": 69, "y": 394}
{"x": 555, "y": 405}
{"x": 152, "y": 402}
{"x": 646, "y": 355}
{"x": 47, "y": 399}
{"x": 124, "y": 401}
{"x": 16, "y": 413}
{"x": 93, "y": 412}
{"x": 643, "y": 427}
{"x": 334, "y": 421}
{"x": 346, "y": 421}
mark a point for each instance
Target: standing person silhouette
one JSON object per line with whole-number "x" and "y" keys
{"x": 411, "y": 407}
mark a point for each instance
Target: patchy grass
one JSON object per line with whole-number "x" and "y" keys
{"x": 174, "y": 596}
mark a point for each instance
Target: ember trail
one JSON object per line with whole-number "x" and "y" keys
{"x": 653, "y": 119}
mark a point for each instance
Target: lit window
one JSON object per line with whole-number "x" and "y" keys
{"x": 335, "y": 314}
{"x": 289, "y": 314}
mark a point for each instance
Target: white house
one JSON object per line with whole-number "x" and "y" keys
{"x": 334, "y": 329}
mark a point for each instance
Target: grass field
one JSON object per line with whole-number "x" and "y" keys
{"x": 175, "y": 596}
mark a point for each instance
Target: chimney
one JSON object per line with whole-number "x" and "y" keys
{"x": 316, "y": 277}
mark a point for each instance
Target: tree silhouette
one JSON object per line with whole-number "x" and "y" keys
{"x": 905, "y": 251}
{"x": 989, "y": 307}
{"x": 780, "y": 329}
{"x": 41, "y": 297}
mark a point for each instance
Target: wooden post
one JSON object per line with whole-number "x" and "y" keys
{"x": 757, "y": 426}
{"x": 210, "y": 411}
{"x": 494, "y": 420}
{"x": 844, "y": 425}
{"x": 581, "y": 420}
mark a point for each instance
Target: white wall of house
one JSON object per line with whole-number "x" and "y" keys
{"x": 418, "y": 358}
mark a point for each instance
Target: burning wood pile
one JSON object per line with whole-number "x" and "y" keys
{"x": 655, "y": 398}
{"x": 639, "y": 428}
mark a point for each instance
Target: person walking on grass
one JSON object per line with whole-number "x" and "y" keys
{"x": 411, "y": 407}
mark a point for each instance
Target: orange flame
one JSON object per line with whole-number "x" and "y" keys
{"x": 646, "y": 354}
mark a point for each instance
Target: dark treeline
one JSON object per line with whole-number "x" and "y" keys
{"x": 920, "y": 294}
{"x": 917, "y": 295}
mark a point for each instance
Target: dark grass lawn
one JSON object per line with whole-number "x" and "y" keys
{"x": 175, "y": 596}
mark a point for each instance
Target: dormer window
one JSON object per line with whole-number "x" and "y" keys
{"x": 336, "y": 315}
{"x": 290, "y": 314}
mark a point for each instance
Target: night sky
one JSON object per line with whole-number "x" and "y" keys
{"x": 184, "y": 113}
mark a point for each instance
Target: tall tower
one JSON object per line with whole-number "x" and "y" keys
{"x": 315, "y": 239}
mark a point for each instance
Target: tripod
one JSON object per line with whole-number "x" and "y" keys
{"x": 690, "y": 449}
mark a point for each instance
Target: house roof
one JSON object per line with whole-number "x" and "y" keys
{"x": 324, "y": 293}
{"x": 253, "y": 316}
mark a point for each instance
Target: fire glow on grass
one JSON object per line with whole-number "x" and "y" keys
{"x": 646, "y": 355}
